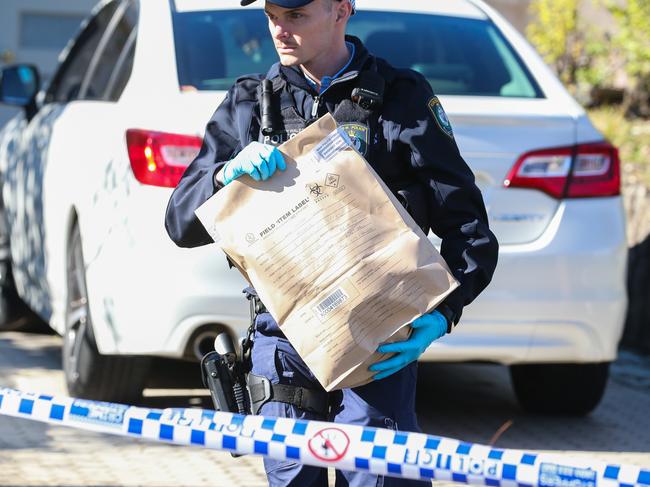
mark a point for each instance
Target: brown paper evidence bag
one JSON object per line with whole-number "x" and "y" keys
{"x": 334, "y": 256}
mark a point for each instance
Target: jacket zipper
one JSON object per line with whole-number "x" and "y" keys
{"x": 317, "y": 98}
{"x": 314, "y": 107}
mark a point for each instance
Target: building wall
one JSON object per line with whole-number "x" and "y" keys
{"x": 590, "y": 11}
{"x": 35, "y": 31}
{"x": 516, "y": 11}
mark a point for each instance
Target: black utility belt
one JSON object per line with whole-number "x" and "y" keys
{"x": 236, "y": 391}
{"x": 262, "y": 391}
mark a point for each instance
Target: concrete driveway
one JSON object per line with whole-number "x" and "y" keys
{"x": 471, "y": 402}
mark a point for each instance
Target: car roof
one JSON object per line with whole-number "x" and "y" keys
{"x": 456, "y": 8}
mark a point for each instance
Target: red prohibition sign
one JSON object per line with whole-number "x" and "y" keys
{"x": 329, "y": 444}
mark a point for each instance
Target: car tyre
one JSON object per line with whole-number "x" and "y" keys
{"x": 559, "y": 389}
{"x": 88, "y": 373}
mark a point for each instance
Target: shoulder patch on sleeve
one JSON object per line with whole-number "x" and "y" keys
{"x": 439, "y": 115}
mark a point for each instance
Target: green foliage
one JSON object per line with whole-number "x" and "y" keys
{"x": 633, "y": 37}
{"x": 596, "y": 68}
{"x": 554, "y": 33}
{"x": 584, "y": 56}
{"x": 632, "y": 137}
{"x": 577, "y": 51}
{"x": 632, "y": 42}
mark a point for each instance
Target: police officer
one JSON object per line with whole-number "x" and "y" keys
{"x": 402, "y": 130}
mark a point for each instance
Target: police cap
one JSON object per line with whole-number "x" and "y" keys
{"x": 288, "y": 3}
{"x": 282, "y": 3}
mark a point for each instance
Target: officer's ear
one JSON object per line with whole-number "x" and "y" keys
{"x": 342, "y": 10}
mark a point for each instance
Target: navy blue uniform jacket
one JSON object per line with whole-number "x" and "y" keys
{"x": 407, "y": 146}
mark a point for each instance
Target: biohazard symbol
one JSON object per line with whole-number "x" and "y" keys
{"x": 315, "y": 189}
{"x": 329, "y": 444}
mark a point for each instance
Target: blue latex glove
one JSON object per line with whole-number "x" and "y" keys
{"x": 426, "y": 329}
{"x": 257, "y": 160}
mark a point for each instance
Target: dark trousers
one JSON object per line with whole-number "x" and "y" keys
{"x": 387, "y": 403}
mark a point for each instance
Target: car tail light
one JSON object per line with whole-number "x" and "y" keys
{"x": 159, "y": 158}
{"x": 579, "y": 171}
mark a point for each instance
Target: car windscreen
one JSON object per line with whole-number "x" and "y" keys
{"x": 458, "y": 56}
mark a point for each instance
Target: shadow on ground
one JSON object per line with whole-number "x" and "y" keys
{"x": 475, "y": 403}
{"x": 29, "y": 351}
{"x": 471, "y": 402}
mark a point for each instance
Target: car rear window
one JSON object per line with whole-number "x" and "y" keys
{"x": 458, "y": 56}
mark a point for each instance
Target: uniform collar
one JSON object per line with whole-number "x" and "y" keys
{"x": 294, "y": 75}
{"x": 327, "y": 80}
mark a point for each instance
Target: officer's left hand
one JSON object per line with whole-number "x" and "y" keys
{"x": 426, "y": 329}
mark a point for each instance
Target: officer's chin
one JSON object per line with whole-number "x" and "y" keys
{"x": 289, "y": 60}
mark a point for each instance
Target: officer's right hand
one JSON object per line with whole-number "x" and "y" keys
{"x": 257, "y": 160}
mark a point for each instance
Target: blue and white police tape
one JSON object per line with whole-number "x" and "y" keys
{"x": 346, "y": 447}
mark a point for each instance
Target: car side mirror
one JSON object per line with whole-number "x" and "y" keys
{"x": 19, "y": 85}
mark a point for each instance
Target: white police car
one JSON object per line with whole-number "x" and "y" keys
{"x": 89, "y": 165}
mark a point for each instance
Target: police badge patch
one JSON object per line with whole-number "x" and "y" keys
{"x": 440, "y": 116}
{"x": 358, "y": 133}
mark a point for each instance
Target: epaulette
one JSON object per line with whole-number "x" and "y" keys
{"x": 246, "y": 86}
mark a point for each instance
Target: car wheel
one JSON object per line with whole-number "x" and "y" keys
{"x": 88, "y": 373}
{"x": 574, "y": 389}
